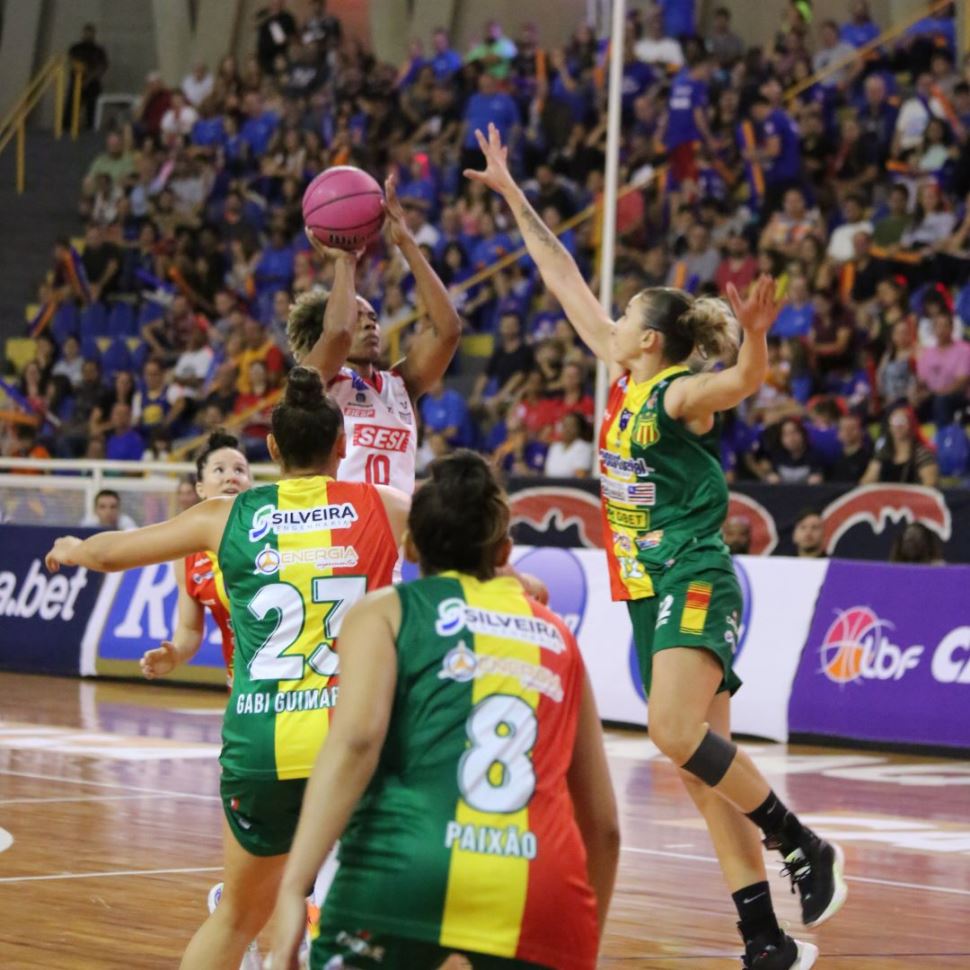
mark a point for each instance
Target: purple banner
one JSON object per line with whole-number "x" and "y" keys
{"x": 887, "y": 656}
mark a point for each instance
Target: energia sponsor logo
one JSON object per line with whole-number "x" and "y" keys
{"x": 461, "y": 664}
{"x": 269, "y": 560}
{"x": 49, "y": 597}
{"x": 269, "y": 518}
{"x": 455, "y": 616}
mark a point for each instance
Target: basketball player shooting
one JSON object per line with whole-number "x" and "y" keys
{"x": 338, "y": 334}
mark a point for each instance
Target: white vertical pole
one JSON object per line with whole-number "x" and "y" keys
{"x": 608, "y": 248}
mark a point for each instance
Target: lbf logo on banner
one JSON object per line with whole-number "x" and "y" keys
{"x": 856, "y": 646}
{"x": 887, "y": 656}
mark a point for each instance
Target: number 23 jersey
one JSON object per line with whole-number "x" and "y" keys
{"x": 295, "y": 557}
{"x": 380, "y": 427}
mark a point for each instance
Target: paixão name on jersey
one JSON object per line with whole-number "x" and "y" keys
{"x": 489, "y": 840}
{"x": 317, "y": 519}
{"x": 455, "y": 615}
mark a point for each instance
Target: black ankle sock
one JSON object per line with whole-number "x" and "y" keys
{"x": 755, "y": 913}
{"x": 778, "y": 824}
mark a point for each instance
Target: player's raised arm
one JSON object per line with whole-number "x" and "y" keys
{"x": 697, "y": 398}
{"x": 195, "y": 530}
{"x": 330, "y": 349}
{"x": 433, "y": 348}
{"x": 558, "y": 269}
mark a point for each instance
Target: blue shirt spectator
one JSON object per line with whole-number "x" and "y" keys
{"x": 259, "y": 127}
{"x": 786, "y": 165}
{"x": 678, "y": 17}
{"x": 687, "y": 94}
{"x": 489, "y": 105}
{"x": 794, "y": 320}
{"x": 209, "y": 132}
{"x": 443, "y": 410}
{"x": 275, "y": 268}
{"x": 445, "y": 61}
{"x": 124, "y": 443}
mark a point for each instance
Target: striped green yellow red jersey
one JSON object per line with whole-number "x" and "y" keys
{"x": 295, "y": 557}
{"x": 662, "y": 489}
{"x": 466, "y": 836}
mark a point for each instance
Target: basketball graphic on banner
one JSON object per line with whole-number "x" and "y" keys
{"x": 845, "y": 644}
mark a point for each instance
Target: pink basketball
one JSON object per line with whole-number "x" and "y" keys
{"x": 343, "y": 207}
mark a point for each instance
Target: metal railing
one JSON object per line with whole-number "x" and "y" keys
{"x": 14, "y": 125}
{"x": 61, "y": 492}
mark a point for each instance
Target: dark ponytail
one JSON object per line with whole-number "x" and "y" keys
{"x": 459, "y": 517}
{"x": 306, "y": 422}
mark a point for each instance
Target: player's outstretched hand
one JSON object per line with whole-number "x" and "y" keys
{"x": 397, "y": 229}
{"x": 330, "y": 252}
{"x": 757, "y": 311}
{"x": 289, "y": 926}
{"x": 62, "y": 553}
{"x": 160, "y": 661}
{"x": 496, "y": 175}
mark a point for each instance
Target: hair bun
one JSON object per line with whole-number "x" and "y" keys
{"x": 220, "y": 438}
{"x": 304, "y": 388}
{"x": 464, "y": 476}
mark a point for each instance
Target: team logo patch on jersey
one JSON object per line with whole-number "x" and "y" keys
{"x": 287, "y": 521}
{"x": 455, "y": 615}
{"x": 650, "y": 541}
{"x": 610, "y": 461}
{"x": 627, "y": 518}
{"x": 459, "y": 664}
{"x": 696, "y": 604}
{"x": 270, "y": 560}
{"x": 381, "y": 439}
{"x": 646, "y": 431}
{"x": 622, "y": 544}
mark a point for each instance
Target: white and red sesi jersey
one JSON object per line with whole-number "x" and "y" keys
{"x": 380, "y": 428}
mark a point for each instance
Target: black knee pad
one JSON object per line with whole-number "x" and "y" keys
{"x": 711, "y": 760}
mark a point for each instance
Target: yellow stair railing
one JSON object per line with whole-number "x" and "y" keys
{"x": 14, "y": 124}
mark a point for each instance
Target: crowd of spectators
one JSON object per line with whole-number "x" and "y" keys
{"x": 854, "y": 193}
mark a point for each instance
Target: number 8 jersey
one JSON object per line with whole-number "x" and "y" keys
{"x": 466, "y": 837}
{"x": 381, "y": 433}
{"x": 295, "y": 556}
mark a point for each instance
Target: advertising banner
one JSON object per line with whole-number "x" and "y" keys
{"x": 779, "y": 600}
{"x": 887, "y": 656}
{"x": 42, "y": 616}
{"x": 859, "y": 523}
{"x": 135, "y": 612}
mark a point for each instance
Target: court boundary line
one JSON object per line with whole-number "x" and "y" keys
{"x": 110, "y": 874}
{"x": 950, "y": 890}
{"x": 26, "y": 800}
{"x": 107, "y": 784}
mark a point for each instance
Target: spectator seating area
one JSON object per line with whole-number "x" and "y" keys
{"x": 163, "y": 314}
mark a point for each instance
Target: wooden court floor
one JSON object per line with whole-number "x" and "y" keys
{"x": 109, "y": 840}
